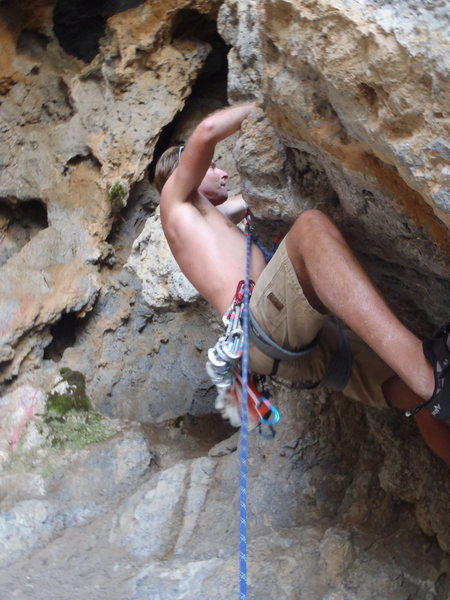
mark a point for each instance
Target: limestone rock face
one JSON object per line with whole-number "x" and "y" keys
{"x": 151, "y": 259}
{"x": 18, "y": 408}
{"x": 346, "y": 502}
{"x": 70, "y": 131}
{"x": 365, "y": 83}
{"x": 37, "y": 506}
{"x": 352, "y": 117}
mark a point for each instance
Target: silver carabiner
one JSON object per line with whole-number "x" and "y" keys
{"x": 233, "y": 349}
{"x": 214, "y": 359}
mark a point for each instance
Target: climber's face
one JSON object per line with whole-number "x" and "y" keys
{"x": 214, "y": 185}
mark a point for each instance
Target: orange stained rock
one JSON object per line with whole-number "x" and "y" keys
{"x": 143, "y": 19}
{"x": 31, "y": 15}
{"x": 356, "y": 156}
{"x": 8, "y": 76}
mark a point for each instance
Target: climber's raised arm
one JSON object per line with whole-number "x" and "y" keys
{"x": 196, "y": 158}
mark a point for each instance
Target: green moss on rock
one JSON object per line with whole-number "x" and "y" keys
{"x": 70, "y": 419}
{"x": 77, "y": 430}
{"x": 71, "y": 397}
{"x": 118, "y": 195}
{"x": 68, "y": 423}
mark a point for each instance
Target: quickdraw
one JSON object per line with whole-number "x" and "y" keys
{"x": 225, "y": 375}
{"x": 229, "y": 346}
{"x": 261, "y": 410}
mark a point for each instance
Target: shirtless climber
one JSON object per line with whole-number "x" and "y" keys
{"x": 312, "y": 274}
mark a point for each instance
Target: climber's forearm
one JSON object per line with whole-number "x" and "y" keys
{"x": 221, "y": 124}
{"x": 234, "y": 208}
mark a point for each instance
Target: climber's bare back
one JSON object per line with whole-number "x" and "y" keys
{"x": 208, "y": 247}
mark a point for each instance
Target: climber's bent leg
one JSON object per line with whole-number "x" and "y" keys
{"x": 333, "y": 280}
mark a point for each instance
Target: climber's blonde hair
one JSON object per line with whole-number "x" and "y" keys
{"x": 166, "y": 165}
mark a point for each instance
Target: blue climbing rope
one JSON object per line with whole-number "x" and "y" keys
{"x": 244, "y": 431}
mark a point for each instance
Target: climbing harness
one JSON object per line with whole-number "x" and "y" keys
{"x": 224, "y": 372}
{"x": 339, "y": 369}
{"x": 271, "y": 348}
{"x": 340, "y": 366}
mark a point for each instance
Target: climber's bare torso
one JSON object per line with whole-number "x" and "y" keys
{"x": 209, "y": 248}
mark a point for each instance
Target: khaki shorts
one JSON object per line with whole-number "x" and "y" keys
{"x": 281, "y": 309}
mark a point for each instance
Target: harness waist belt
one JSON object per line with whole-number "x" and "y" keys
{"x": 339, "y": 369}
{"x": 270, "y": 348}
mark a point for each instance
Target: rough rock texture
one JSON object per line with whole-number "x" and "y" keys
{"x": 346, "y": 502}
{"x": 69, "y": 133}
{"x": 163, "y": 284}
{"x": 375, "y": 72}
{"x": 314, "y": 522}
{"x": 37, "y": 505}
{"x": 322, "y": 65}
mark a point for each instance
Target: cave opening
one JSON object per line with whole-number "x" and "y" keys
{"x": 210, "y": 88}
{"x": 196, "y": 433}
{"x": 189, "y": 23}
{"x": 64, "y": 333}
{"x": 79, "y": 24}
{"x": 212, "y": 78}
{"x": 20, "y": 221}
